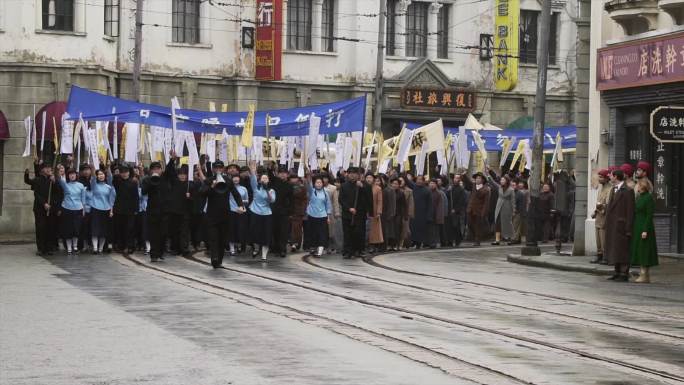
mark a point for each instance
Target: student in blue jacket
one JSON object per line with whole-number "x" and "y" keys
{"x": 102, "y": 204}
{"x": 260, "y": 226}
{"x": 318, "y": 213}
{"x": 73, "y": 209}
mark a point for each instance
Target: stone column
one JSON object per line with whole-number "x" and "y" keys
{"x": 433, "y": 11}
{"x": 316, "y": 25}
{"x": 400, "y": 27}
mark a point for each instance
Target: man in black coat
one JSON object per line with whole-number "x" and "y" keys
{"x": 126, "y": 205}
{"x": 218, "y": 209}
{"x": 457, "y": 206}
{"x": 355, "y": 203}
{"x": 157, "y": 186}
{"x": 179, "y": 208}
{"x": 282, "y": 209}
{"x": 47, "y": 198}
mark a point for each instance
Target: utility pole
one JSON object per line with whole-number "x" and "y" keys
{"x": 534, "y": 223}
{"x": 377, "y": 112}
{"x": 137, "y": 58}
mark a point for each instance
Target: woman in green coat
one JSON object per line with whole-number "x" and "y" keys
{"x": 643, "y": 248}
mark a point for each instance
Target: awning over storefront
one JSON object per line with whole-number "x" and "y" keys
{"x": 4, "y": 127}
{"x": 52, "y": 110}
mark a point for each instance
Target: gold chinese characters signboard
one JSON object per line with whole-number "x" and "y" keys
{"x": 506, "y": 44}
{"x": 445, "y": 100}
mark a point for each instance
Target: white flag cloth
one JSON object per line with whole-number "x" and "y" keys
{"x": 42, "y": 134}
{"x": 382, "y": 167}
{"x": 149, "y": 145}
{"x": 404, "y": 146}
{"x": 91, "y": 140}
{"x": 157, "y": 139}
{"x": 480, "y": 145}
{"x": 357, "y": 143}
{"x": 27, "y": 128}
{"x": 66, "y": 145}
{"x": 462, "y": 146}
{"x": 507, "y": 151}
{"x": 115, "y": 135}
{"x": 300, "y": 168}
{"x": 193, "y": 155}
{"x": 105, "y": 139}
{"x": 420, "y": 159}
{"x": 168, "y": 143}
{"x": 222, "y": 149}
{"x": 179, "y": 141}
{"x": 175, "y": 105}
{"x": 132, "y": 139}
{"x": 347, "y": 152}
{"x": 442, "y": 162}
{"x": 211, "y": 149}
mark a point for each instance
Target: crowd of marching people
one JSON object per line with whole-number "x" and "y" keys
{"x": 266, "y": 209}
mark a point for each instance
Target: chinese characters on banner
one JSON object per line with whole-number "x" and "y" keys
{"x": 638, "y": 63}
{"x": 667, "y": 124}
{"x": 659, "y": 176}
{"x": 438, "y": 99}
{"x": 506, "y": 31}
{"x": 269, "y": 40}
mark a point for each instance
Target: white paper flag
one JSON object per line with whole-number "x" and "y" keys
{"x": 67, "y": 142}
{"x": 175, "y": 105}
{"x": 42, "y": 134}
{"x": 348, "y": 152}
{"x": 179, "y": 141}
{"x": 132, "y": 139}
{"x": 27, "y": 128}
{"x": 193, "y": 156}
{"x": 222, "y": 149}
{"x": 168, "y": 143}
{"x": 211, "y": 149}
{"x": 404, "y": 146}
{"x": 463, "y": 153}
{"x": 528, "y": 155}
{"x": 382, "y": 168}
{"x": 157, "y": 138}
{"x": 91, "y": 139}
{"x": 420, "y": 159}
{"x": 442, "y": 162}
{"x": 116, "y": 135}
{"x": 357, "y": 143}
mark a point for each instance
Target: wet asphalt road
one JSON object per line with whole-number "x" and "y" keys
{"x": 467, "y": 316}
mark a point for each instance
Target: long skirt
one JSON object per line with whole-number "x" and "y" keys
{"x": 315, "y": 232}
{"x": 260, "y": 229}
{"x": 99, "y": 223}
{"x": 238, "y": 225}
{"x": 71, "y": 223}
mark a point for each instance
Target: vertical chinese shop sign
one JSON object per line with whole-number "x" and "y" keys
{"x": 269, "y": 40}
{"x": 506, "y": 44}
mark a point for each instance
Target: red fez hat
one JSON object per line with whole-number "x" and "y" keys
{"x": 604, "y": 172}
{"x": 627, "y": 169}
{"x": 644, "y": 165}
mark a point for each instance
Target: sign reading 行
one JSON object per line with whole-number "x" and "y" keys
{"x": 269, "y": 46}
{"x": 639, "y": 63}
{"x": 667, "y": 124}
{"x": 506, "y": 25}
{"x": 447, "y": 100}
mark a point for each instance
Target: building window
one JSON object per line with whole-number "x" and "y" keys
{"x": 111, "y": 18}
{"x": 443, "y": 32}
{"x": 416, "y": 29}
{"x": 529, "y": 32}
{"x": 58, "y": 15}
{"x": 328, "y": 26}
{"x": 299, "y": 25}
{"x": 390, "y": 38}
{"x": 186, "y": 17}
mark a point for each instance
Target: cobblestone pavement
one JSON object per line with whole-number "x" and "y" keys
{"x": 430, "y": 317}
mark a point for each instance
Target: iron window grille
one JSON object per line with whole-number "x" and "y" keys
{"x": 416, "y": 30}
{"x": 299, "y": 25}
{"x": 185, "y": 21}
{"x": 328, "y": 25}
{"x": 443, "y": 32}
{"x": 111, "y": 18}
{"x": 58, "y": 15}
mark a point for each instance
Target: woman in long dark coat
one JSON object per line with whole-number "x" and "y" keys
{"x": 505, "y": 206}
{"x": 389, "y": 212}
{"x": 643, "y": 249}
{"x": 620, "y": 216}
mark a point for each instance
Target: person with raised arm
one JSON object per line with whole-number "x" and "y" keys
{"x": 73, "y": 209}
{"x": 318, "y": 211}
{"x": 261, "y": 215}
{"x": 102, "y": 208}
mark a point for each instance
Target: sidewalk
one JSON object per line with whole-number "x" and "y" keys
{"x": 581, "y": 263}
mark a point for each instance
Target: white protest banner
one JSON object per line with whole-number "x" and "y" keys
{"x": 91, "y": 140}
{"x": 115, "y": 135}
{"x": 507, "y": 146}
{"x": 42, "y": 134}
{"x": 211, "y": 149}
{"x": 222, "y": 148}
{"x": 149, "y": 145}
{"x": 404, "y": 145}
{"x": 347, "y": 152}
{"x": 357, "y": 143}
{"x": 432, "y": 133}
{"x": 193, "y": 155}
{"x": 105, "y": 139}
{"x": 384, "y": 166}
{"x": 420, "y": 159}
{"x": 132, "y": 139}
{"x": 175, "y": 105}
{"x": 480, "y": 145}
{"x": 179, "y": 141}
{"x": 27, "y": 128}
{"x": 168, "y": 143}
{"x": 67, "y": 143}
{"x": 528, "y": 155}
{"x": 463, "y": 153}
{"x": 157, "y": 139}
{"x": 442, "y": 162}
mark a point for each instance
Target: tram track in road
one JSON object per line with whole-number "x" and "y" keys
{"x": 621, "y": 309}
{"x": 458, "y": 297}
{"x": 447, "y": 363}
{"x": 635, "y": 368}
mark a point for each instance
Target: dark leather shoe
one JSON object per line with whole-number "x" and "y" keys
{"x": 622, "y": 278}
{"x": 614, "y": 277}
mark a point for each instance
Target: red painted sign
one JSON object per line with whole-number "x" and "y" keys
{"x": 269, "y": 40}
{"x": 641, "y": 63}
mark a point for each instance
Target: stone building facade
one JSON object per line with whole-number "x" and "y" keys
{"x": 194, "y": 50}
{"x": 624, "y": 93}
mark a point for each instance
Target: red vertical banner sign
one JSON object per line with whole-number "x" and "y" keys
{"x": 269, "y": 40}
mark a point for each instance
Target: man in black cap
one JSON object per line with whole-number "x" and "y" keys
{"x": 126, "y": 205}
{"x": 180, "y": 204}
{"x": 355, "y": 204}
{"x": 156, "y": 187}
{"x": 218, "y": 209}
{"x": 47, "y": 198}
{"x": 282, "y": 208}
